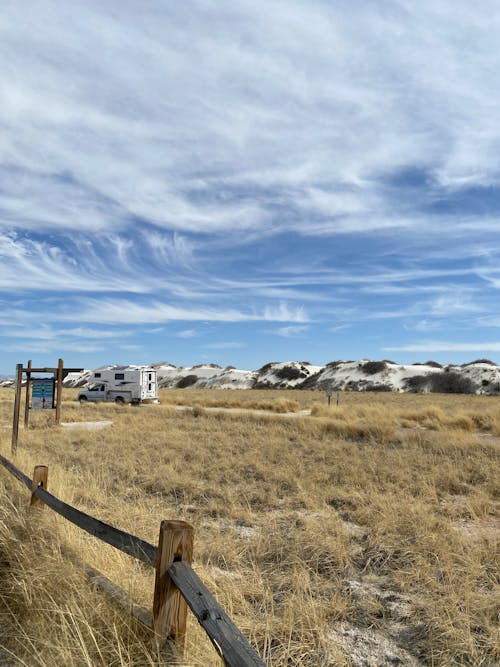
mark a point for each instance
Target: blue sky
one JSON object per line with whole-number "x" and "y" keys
{"x": 246, "y": 181}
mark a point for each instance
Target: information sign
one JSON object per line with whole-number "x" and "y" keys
{"x": 43, "y": 393}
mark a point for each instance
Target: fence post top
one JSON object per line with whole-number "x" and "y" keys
{"x": 175, "y": 524}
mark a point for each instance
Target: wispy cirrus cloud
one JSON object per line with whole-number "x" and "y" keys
{"x": 229, "y": 345}
{"x": 49, "y": 332}
{"x": 445, "y": 346}
{"x": 292, "y": 330}
{"x": 30, "y": 347}
{"x": 315, "y": 165}
{"x": 187, "y": 333}
{"x": 450, "y": 304}
{"x": 121, "y": 311}
{"x": 204, "y": 144}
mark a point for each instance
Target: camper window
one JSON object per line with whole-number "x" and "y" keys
{"x": 119, "y": 376}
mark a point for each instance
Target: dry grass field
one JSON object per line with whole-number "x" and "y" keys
{"x": 364, "y": 534}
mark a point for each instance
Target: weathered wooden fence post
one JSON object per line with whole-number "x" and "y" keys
{"x": 40, "y": 479}
{"x": 59, "y": 381}
{"x": 17, "y": 408}
{"x": 27, "y": 401}
{"x": 169, "y": 607}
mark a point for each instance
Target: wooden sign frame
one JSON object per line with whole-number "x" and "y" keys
{"x": 59, "y": 374}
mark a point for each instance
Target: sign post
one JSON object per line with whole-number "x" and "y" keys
{"x": 27, "y": 399}
{"x": 59, "y": 380}
{"x": 329, "y": 395}
{"x": 17, "y": 407}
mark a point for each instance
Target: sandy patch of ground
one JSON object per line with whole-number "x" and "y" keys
{"x": 89, "y": 426}
{"x": 246, "y": 411}
{"x": 365, "y": 647}
{"x": 463, "y": 520}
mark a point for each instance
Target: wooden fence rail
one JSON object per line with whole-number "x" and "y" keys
{"x": 177, "y": 586}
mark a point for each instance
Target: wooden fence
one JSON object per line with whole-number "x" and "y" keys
{"x": 177, "y": 586}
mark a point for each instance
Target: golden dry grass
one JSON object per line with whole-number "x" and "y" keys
{"x": 380, "y": 516}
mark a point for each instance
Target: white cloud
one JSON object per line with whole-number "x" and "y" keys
{"x": 450, "y": 304}
{"x": 142, "y": 154}
{"x": 339, "y": 327}
{"x": 292, "y": 330}
{"x": 284, "y": 313}
{"x": 122, "y": 311}
{"x": 86, "y": 332}
{"x": 489, "y": 321}
{"x": 42, "y": 331}
{"x": 29, "y": 347}
{"x": 174, "y": 249}
{"x": 187, "y": 333}
{"x": 443, "y": 346}
{"x": 176, "y": 120}
{"x": 231, "y": 345}
{"x": 42, "y": 266}
{"x": 425, "y": 325}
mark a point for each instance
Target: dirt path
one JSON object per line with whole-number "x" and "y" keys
{"x": 245, "y": 411}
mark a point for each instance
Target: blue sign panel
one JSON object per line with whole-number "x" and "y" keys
{"x": 43, "y": 391}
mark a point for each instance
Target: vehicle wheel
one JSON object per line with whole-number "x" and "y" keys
{"x": 119, "y": 400}
{"x": 83, "y": 400}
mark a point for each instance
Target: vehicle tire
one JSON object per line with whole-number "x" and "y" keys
{"x": 119, "y": 400}
{"x": 82, "y": 400}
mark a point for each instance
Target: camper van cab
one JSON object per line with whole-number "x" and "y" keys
{"x": 122, "y": 385}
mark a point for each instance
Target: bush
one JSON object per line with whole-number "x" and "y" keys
{"x": 451, "y": 383}
{"x": 372, "y": 367}
{"x": 186, "y": 381}
{"x": 417, "y": 383}
{"x": 267, "y": 367}
{"x": 443, "y": 383}
{"x": 289, "y": 373}
{"x": 479, "y": 361}
{"x": 336, "y": 364}
{"x": 377, "y": 387}
{"x": 434, "y": 364}
{"x": 311, "y": 382}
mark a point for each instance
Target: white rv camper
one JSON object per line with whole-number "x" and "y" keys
{"x": 122, "y": 385}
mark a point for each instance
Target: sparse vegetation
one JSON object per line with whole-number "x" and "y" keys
{"x": 373, "y": 367}
{"x": 267, "y": 367}
{"x": 377, "y": 387}
{"x": 336, "y": 364}
{"x": 444, "y": 383}
{"x": 480, "y": 361}
{"x": 417, "y": 383}
{"x": 186, "y": 381}
{"x": 434, "y": 364}
{"x": 289, "y": 373}
{"x": 379, "y": 516}
{"x": 451, "y": 383}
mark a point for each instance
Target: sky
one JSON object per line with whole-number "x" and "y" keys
{"x": 245, "y": 181}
